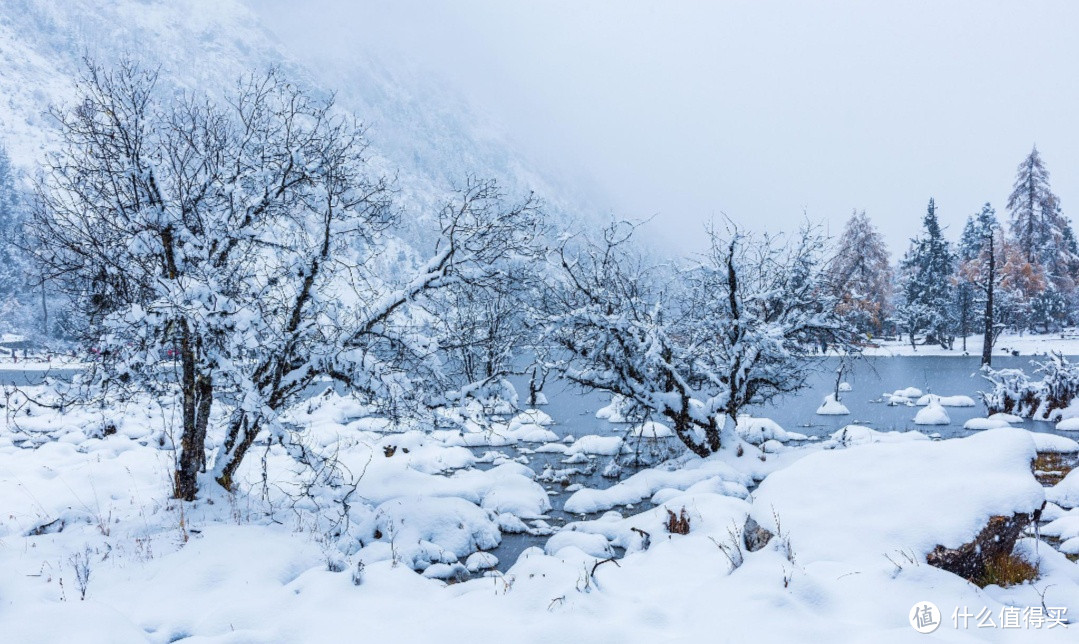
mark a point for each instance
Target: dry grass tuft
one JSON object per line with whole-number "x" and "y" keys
{"x": 678, "y": 523}
{"x": 1007, "y": 570}
{"x": 1050, "y": 468}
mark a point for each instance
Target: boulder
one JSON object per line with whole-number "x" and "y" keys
{"x": 995, "y": 540}
{"x": 755, "y": 536}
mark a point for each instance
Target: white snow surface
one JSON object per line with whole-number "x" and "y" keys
{"x": 244, "y": 568}
{"x": 868, "y": 501}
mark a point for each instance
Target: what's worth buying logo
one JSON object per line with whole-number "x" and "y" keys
{"x": 924, "y": 617}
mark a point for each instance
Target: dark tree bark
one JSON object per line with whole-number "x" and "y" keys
{"x": 989, "y": 336}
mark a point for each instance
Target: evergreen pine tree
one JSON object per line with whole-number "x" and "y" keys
{"x": 927, "y": 300}
{"x": 970, "y": 243}
{"x": 1033, "y": 207}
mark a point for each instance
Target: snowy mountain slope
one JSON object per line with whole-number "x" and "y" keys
{"x": 419, "y": 131}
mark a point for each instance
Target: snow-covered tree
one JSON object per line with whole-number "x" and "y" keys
{"x": 967, "y": 250}
{"x": 249, "y": 239}
{"x": 1033, "y": 209}
{"x": 978, "y": 278}
{"x": 1046, "y": 241}
{"x": 11, "y": 258}
{"x": 861, "y": 275}
{"x": 696, "y": 346}
{"x": 926, "y": 299}
{"x": 484, "y": 326}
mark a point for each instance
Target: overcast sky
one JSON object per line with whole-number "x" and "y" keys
{"x": 760, "y": 110}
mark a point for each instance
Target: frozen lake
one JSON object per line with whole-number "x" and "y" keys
{"x": 870, "y": 378}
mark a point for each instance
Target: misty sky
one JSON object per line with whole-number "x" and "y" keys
{"x": 760, "y": 110}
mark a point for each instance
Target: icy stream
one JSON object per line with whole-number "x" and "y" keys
{"x": 870, "y": 378}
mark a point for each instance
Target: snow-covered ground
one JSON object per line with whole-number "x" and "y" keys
{"x": 1027, "y": 344}
{"x": 854, "y": 516}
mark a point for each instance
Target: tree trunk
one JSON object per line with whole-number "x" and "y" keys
{"x": 241, "y": 436}
{"x": 44, "y": 312}
{"x": 683, "y": 428}
{"x": 987, "y": 339}
{"x": 197, "y": 398}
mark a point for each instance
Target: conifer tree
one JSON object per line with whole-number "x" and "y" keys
{"x": 926, "y": 284}
{"x": 1033, "y": 207}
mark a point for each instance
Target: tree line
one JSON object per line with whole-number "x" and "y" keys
{"x": 1021, "y": 274}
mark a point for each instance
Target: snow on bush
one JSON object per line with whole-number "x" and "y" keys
{"x": 1050, "y": 398}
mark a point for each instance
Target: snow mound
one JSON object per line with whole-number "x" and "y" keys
{"x": 595, "y": 545}
{"x": 1066, "y": 493}
{"x": 832, "y": 407}
{"x": 1053, "y": 443}
{"x": 445, "y": 571}
{"x": 845, "y": 386}
{"x": 531, "y": 433}
{"x": 932, "y": 414}
{"x": 1069, "y": 425}
{"x": 946, "y": 401}
{"x": 480, "y": 561}
{"x": 615, "y": 412}
{"x": 757, "y": 431}
{"x": 645, "y": 483}
{"x": 861, "y": 435}
{"x": 651, "y": 429}
{"x": 529, "y": 417}
{"x": 909, "y": 392}
{"x": 527, "y": 501}
{"x": 1010, "y": 418}
{"x": 985, "y": 423}
{"x": 846, "y": 505}
{"x": 596, "y": 445}
{"x": 428, "y": 530}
